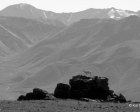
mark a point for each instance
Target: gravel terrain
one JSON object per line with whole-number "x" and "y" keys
{"x": 64, "y": 106}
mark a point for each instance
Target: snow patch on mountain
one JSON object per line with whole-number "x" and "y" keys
{"x": 118, "y": 13}
{"x": 111, "y": 13}
{"x": 124, "y": 13}
{"x": 45, "y": 15}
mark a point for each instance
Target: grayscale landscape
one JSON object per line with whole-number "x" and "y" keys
{"x": 39, "y": 49}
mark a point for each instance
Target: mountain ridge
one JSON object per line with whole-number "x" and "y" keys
{"x": 29, "y": 11}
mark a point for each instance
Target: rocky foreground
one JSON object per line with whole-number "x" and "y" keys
{"x": 65, "y": 106}
{"x": 82, "y": 94}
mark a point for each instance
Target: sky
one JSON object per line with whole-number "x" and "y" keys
{"x": 60, "y": 6}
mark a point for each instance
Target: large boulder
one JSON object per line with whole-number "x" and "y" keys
{"x": 117, "y": 99}
{"x": 21, "y": 98}
{"x": 89, "y": 87}
{"x": 37, "y": 94}
{"x": 121, "y": 99}
{"x": 62, "y": 91}
{"x": 93, "y": 88}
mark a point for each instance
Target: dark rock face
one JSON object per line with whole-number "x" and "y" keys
{"x": 96, "y": 88}
{"x": 37, "y": 94}
{"x": 80, "y": 88}
{"x": 62, "y": 91}
{"x": 21, "y": 98}
{"x": 89, "y": 87}
{"x": 117, "y": 99}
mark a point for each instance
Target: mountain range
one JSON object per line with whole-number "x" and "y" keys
{"x": 49, "y": 17}
{"x": 42, "y": 48}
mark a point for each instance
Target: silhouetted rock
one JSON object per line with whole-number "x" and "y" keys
{"x": 89, "y": 87}
{"x": 117, "y": 99}
{"x": 121, "y": 98}
{"x": 62, "y": 91}
{"x": 80, "y": 87}
{"x": 21, "y": 98}
{"x": 37, "y": 94}
{"x": 111, "y": 93}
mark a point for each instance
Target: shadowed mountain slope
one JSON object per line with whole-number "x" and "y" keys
{"x": 53, "y": 53}
{"x": 17, "y": 34}
{"x": 107, "y": 47}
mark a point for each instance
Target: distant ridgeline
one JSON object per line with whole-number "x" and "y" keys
{"x": 81, "y": 87}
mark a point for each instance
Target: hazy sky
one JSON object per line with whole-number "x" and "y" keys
{"x": 75, "y": 5}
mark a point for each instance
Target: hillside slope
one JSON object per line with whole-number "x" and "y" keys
{"x": 107, "y": 47}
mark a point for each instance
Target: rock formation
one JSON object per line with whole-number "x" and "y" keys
{"x": 117, "y": 99}
{"x": 89, "y": 87}
{"x": 62, "y": 91}
{"x": 80, "y": 88}
{"x": 37, "y": 94}
{"x": 92, "y": 88}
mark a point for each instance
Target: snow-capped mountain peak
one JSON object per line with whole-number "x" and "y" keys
{"x": 118, "y": 13}
{"x": 124, "y": 13}
{"x": 111, "y": 13}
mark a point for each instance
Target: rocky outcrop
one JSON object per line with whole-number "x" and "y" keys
{"x": 89, "y": 87}
{"x": 85, "y": 88}
{"x": 62, "y": 91}
{"x": 21, "y": 98}
{"x": 117, "y": 99}
{"x": 37, "y": 94}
